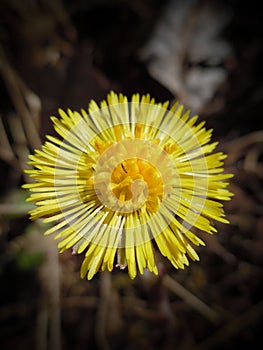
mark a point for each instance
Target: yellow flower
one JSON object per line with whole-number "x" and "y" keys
{"x": 125, "y": 175}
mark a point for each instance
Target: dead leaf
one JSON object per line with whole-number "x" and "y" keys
{"x": 187, "y": 53}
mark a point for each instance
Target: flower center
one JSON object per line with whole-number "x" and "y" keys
{"x": 137, "y": 181}
{"x": 133, "y": 175}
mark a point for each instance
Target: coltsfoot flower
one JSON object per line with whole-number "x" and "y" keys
{"x": 126, "y": 178}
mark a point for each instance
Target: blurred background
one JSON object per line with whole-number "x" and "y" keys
{"x": 206, "y": 54}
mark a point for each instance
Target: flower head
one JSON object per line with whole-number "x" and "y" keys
{"x": 125, "y": 177}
